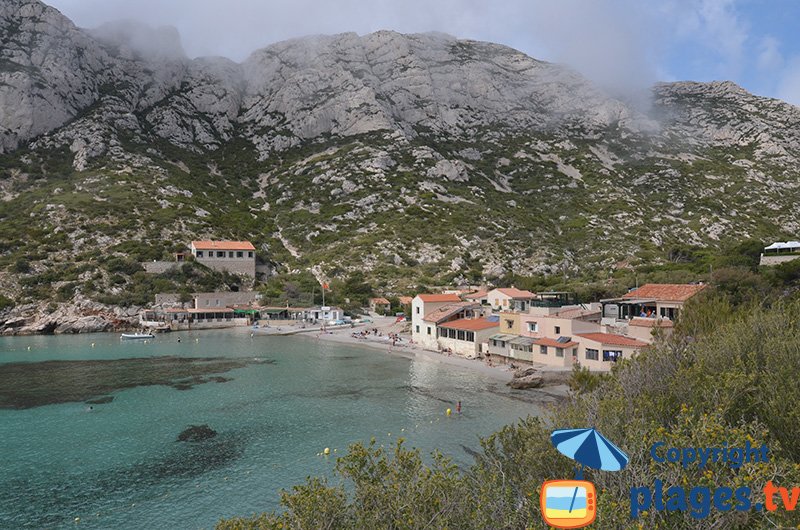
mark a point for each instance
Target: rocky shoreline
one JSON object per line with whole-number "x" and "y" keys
{"x": 81, "y": 315}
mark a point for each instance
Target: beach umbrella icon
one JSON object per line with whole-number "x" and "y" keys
{"x": 589, "y": 448}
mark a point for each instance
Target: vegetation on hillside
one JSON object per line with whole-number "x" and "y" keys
{"x": 727, "y": 375}
{"x": 369, "y": 205}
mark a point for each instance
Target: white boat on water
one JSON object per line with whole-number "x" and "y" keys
{"x": 135, "y": 336}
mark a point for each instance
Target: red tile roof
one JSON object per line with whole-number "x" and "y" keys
{"x": 379, "y": 300}
{"x": 513, "y": 292}
{"x": 651, "y": 322}
{"x": 223, "y": 245}
{"x": 470, "y": 324}
{"x": 611, "y": 339}
{"x": 439, "y": 297}
{"x": 672, "y": 292}
{"x": 476, "y": 294}
{"x": 405, "y": 299}
{"x": 553, "y": 343}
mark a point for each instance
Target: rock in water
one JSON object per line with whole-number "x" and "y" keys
{"x": 197, "y": 433}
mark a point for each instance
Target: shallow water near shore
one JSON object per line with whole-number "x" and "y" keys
{"x": 275, "y": 402}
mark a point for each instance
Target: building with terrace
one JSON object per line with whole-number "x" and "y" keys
{"x": 651, "y": 300}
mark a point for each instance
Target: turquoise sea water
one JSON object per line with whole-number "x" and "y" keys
{"x": 120, "y": 466}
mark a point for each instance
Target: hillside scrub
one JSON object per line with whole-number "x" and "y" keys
{"x": 727, "y": 375}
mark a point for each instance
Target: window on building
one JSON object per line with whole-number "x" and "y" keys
{"x": 418, "y": 310}
{"x": 558, "y": 330}
{"x": 591, "y": 355}
{"x": 220, "y": 254}
{"x": 460, "y": 334}
{"x": 612, "y": 355}
{"x": 417, "y": 328}
{"x": 429, "y": 330}
{"x": 239, "y": 254}
{"x": 250, "y": 254}
{"x": 559, "y": 352}
{"x": 543, "y": 350}
{"x": 533, "y": 327}
{"x": 509, "y": 323}
{"x": 470, "y": 336}
{"x": 230, "y": 253}
{"x": 199, "y": 253}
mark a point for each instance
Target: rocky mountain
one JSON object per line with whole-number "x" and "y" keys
{"x": 407, "y": 157}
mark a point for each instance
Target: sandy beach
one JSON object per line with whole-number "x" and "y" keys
{"x": 386, "y": 325}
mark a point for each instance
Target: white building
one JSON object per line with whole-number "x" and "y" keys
{"x": 428, "y": 335}
{"x": 323, "y": 314}
{"x": 423, "y": 304}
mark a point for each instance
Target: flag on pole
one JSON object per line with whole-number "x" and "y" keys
{"x": 325, "y": 285}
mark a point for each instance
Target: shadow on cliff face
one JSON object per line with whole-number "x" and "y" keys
{"x": 28, "y": 385}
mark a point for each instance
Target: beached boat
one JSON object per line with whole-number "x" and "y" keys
{"x": 136, "y": 336}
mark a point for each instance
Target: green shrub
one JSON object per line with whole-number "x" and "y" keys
{"x": 6, "y": 302}
{"x": 732, "y": 382}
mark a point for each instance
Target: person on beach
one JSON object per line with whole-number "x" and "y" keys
{"x": 458, "y": 407}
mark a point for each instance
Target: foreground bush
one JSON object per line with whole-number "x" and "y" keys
{"x": 728, "y": 375}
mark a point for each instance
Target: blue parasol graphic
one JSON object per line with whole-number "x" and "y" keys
{"x": 589, "y": 448}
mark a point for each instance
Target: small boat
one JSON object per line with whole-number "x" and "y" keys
{"x": 135, "y": 336}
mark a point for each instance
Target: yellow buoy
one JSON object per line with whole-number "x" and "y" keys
{"x": 448, "y": 412}
{"x": 327, "y": 451}
{"x": 77, "y": 519}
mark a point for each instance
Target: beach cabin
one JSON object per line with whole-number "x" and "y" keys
{"x": 323, "y": 314}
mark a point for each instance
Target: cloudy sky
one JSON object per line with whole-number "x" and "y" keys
{"x": 616, "y": 42}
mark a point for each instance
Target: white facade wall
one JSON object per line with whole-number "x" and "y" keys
{"x": 424, "y": 333}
